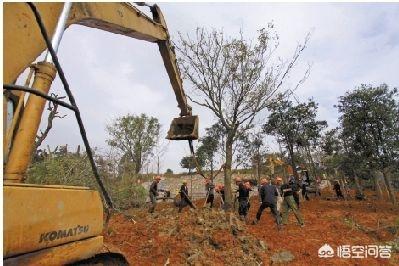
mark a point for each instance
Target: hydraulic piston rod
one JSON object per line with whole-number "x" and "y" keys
{"x": 24, "y": 141}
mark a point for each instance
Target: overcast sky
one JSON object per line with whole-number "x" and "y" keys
{"x": 112, "y": 75}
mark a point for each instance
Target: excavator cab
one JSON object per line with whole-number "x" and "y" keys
{"x": 183, "y": 128}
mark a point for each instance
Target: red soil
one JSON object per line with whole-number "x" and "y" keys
{"x": 169, "y": 236}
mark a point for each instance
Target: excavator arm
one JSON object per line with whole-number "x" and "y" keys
{"x": 23, "y": 43}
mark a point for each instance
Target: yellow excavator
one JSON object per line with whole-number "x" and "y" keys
{"x": 274, "y": 161}
{"x": 55, "y": 224}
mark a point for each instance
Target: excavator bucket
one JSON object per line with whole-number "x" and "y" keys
{"x": 183, "y": 128}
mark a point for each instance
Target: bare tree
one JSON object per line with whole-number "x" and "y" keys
{"x": 53, "y": 108}
{"x": 159, "y": 151}
{"x": 234, "y": 78}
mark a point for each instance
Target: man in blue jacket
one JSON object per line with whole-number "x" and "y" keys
{"x": 268, "y": 194}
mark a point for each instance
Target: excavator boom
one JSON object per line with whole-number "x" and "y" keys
{"x": 21, "y": 33}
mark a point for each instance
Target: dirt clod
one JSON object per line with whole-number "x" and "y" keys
{"x": 282, "y": 257}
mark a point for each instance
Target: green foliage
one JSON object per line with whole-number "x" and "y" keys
{"x": 206, "y": 153}
{"x": 126, "y": 193}
{"x": 68, "y": 169}
{"x": 187, "y": 162}
{"x": 75, "y": 170}
{"x": 169, "y": 171}
{"x": 135, "y": 137}
{"x": 295, "y": 125}
{"x": 331, "y": 143}
{"x": 370, "y": 125}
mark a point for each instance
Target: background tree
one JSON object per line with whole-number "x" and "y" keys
{"x": 235, "y": 79}
{"x": 135, "y": 137}
{"x": 207, "y": 152}
{"x": 295, "y": 126}
{"x": 53, "y": 114}
{"x": 370, "y": 128}
{"x": 257, "y": 151}
{"x": 159, "y": 151}
{"x": 188, "y": 162}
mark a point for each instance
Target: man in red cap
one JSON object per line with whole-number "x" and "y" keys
{"x": 243, "y": 198}
{"x": 210, "y": 191}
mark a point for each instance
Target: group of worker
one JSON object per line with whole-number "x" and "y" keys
{"x": 153, "y": 194}
{"x": 279, "y": 197}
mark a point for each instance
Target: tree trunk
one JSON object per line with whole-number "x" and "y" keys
{"x": 212, "y": 170}
{"x": 377, "y": 185}
{"x": 344, "y": 188}
{"x": 313, "y": 166}
{"x": 258, "y": 167}
{"x": 138, "y": 164}
{"x": 227, "y": 172}
{"x": 391, "y": 190}
{"x": 292, "y": 159}
{"x": 359, "y": 189}
{"x": 158, "y": 165}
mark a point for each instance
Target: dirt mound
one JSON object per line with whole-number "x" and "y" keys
{"x": 194, "y": 237}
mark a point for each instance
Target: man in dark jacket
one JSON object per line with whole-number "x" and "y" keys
{"x": 210, "y": 191}
{"x": 337, "y": 188}
{"x": 243, "y": 198}
{"x": 295, "y": 189}
{"x": 289, "y": 203}
{"x": 268, "y": 194}
{"x": 184, "y": 199}
{"x": 153, "y": 193}
{"x": 305, "y": 184}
